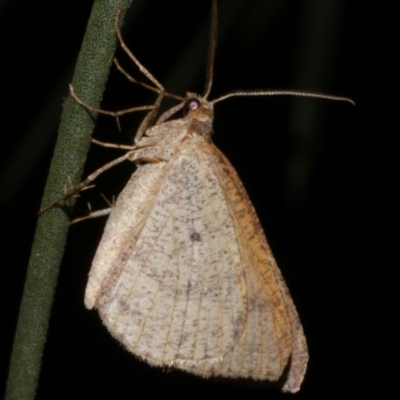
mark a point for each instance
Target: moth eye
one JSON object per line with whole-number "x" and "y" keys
{"x": 192, "y": 104}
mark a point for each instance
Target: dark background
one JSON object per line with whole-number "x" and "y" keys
{"x": 321, "y": 175}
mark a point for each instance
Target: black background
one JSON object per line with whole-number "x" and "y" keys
{"x": 321, "y": 175}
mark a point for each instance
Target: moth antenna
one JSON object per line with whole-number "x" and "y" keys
{"x": 211, "y": 50}
{"x": 283, "y": 93}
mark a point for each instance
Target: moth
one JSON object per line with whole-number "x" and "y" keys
{"x": 183, "y": 276}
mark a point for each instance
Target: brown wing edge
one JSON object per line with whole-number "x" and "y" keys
{"x": 297, "y": 363}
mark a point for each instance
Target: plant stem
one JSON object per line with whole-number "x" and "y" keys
{"x": 69, "y": 157}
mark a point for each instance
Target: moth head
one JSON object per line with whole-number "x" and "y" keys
{"x": 197, "y": 104}
{"x": 200, "y": 112}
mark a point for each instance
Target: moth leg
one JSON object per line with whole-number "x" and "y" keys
{"x": 92, "y": 214}
{"x": 145, "y": 85}
{"x": 149, "y": 119}
{"x": 87, "y": 181}
{"x": 142, "y": 69}
{"x": 115, "y": 114}
{"x": 163, "y": 117}
{"x": 113, "y": 145}
{"x": 96, "y": 214}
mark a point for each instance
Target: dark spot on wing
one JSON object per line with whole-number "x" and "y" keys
{"x": 195, "y": 237}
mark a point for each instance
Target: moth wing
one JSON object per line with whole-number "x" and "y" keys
{"x": 123, "y": 227}
{"x": 272, "y": 330}
{"x": 133, "y": 205}
{"x": 176, "y": 293}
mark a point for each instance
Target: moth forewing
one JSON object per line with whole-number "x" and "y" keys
{"x": 264, "y": 347}
{"x": 286, "y": 335}
{"x": 178, "y": 271}
{"x": 183, "y": 275}
{"x": 152, "y": 154}
{"x": 135, "y": 200}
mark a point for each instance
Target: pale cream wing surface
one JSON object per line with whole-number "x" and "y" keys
{"x": 177, "y": 293}
{"x": 135, "y": 200}
{"x": 133, "y": 206}
{"x": 263, "y": 350}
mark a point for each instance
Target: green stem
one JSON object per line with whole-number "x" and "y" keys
{"x": 69, "y": 157}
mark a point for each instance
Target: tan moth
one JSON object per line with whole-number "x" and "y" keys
{"x": 183, "y": 276}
